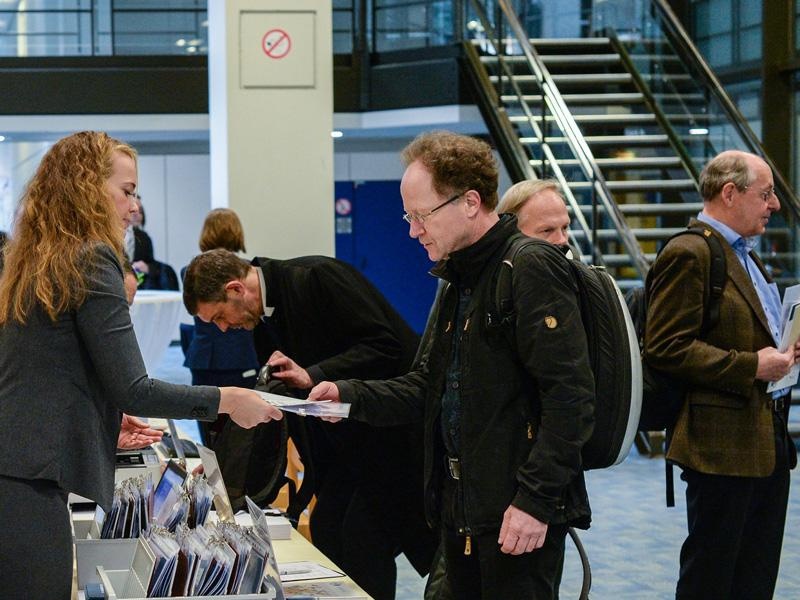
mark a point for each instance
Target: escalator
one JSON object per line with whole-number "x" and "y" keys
{"x": 624, "y": 120}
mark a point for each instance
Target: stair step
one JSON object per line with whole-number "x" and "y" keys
{"x": 680, "y": 97}
{"x": 550, "y": 42}
{"x": 651, "y": 208}
{"x": 671, "y": 58}
{"x": 643, "y": 118}
{"x": 560, "y": 59}
{"x": 602, "y": 78}
{"x": 599, "y": 78}
{"x": 615, "y": 260}
{"x": 635, "y": 185}
{"x": 643, "y": 233}
{"x": 627, "y": 140}
{"x": 606, "y": 99}
{"x": 623, "y": 163}
{"x": 597, "y": 118}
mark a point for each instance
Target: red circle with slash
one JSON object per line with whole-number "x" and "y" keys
{"x": 276, "y": 43}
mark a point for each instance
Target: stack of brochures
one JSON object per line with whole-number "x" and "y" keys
{"x": 211, "y": 560}
{"x": 130, "y": 509}
{"x": 306, "y": 408}
{"x": 178, "y": 499}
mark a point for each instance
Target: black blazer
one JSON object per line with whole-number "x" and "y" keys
{"x": 64, "y": 383}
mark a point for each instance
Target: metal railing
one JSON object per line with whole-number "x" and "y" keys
{"x": 563, "y": 119}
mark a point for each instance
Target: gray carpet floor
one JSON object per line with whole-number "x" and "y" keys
{"x": 634, "y": 540}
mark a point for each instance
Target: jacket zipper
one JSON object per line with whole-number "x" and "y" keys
{"x": 461, "y": 482}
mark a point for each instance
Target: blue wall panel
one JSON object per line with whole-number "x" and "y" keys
{"x": 374, "y": 238}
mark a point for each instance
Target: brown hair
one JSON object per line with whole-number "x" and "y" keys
{"x": 457, "y": 163}
{"x": 222, "y": 229}
{"x": 207, "y": 274}
{"x": 64, "y": 209}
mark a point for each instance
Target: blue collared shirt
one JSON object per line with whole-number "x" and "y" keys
{"x": 767, "y": 292}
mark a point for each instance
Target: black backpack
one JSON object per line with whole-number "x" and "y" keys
{"x": 613, "y": 351}
{"x": 662, "y": 395}
{"x": 253, "y": 461}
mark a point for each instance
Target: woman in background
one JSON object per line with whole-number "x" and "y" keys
{"x": 69, "y": 360}
{"x": 214, "y": 357}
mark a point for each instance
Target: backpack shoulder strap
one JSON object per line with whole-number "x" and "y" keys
{"x": 501, "y": 312}
{"x": 718, "y": 274}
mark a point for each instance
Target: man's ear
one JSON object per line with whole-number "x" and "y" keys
{"x": 473, "y": 201}
{"x": 234, "y": 287}
{"x": 727, "y": 192}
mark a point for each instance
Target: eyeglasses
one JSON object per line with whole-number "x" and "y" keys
{"x": 765, "y": 195}
{"x": 420, "y": 219}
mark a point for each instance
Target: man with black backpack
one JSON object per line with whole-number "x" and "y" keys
{"x": 730, "y": 437}
{"x": 504, "y": 424}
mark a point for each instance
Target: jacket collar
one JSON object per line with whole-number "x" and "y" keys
{"x": 464, "y": 267}
{"x": 738, "y": 275}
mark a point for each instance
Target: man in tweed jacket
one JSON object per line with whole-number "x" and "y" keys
{"x": 730, "y": 438}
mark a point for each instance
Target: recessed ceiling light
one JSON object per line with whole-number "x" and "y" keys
{"x": 191, "y": 49}
{"x": 698, "y": 131}
{"x": 180, "y": 43}
{"x": 2, "y": 138}
{"x": 336, "y": 134}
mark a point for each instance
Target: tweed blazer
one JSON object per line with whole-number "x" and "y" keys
{"x": 725, "y": 426}
{"x": 63, "y": 384}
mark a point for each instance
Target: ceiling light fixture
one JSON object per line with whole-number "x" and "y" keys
{"x": 698, "y": 131}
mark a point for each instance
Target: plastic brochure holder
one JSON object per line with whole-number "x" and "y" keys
{"x": 115, "y": 580}
{"x": 89, "y": 553}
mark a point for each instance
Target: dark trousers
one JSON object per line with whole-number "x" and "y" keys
{"x": 735, "y": 534}
{"x": 35, "y": 540}
{"x": 488, "y": 574}
{"x": 349, "y": 530}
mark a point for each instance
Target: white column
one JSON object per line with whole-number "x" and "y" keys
{"x": 271, "y": 116}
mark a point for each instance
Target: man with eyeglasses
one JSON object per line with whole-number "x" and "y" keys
{"x": 730, "y": 439}
{"x": 316, "y": 318}
{"x": 504, "y": 422}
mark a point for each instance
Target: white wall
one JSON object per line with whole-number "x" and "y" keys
{"x": 176, "y": 195}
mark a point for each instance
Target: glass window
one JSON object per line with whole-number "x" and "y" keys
{"x": 750, "y": 43}
{"x": 797, "y": 24}
{"x": 728, "y": 31}
{"x": 747, "y": 97}
{"x": 403, "y": 24}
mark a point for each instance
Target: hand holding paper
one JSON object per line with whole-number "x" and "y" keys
{"x": 788, "y": 348}
{"x": 323, "y": 408}
{"x": 327, "y": 392}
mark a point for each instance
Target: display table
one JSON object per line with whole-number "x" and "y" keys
{"x": 295, "y": 549}
{"x": 155, "y": 315}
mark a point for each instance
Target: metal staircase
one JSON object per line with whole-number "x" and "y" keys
{"x": 624, "y": 122}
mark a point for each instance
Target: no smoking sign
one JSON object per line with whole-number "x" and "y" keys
{"x": 277, "y": 49}
{"x": 276, "y": 43}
